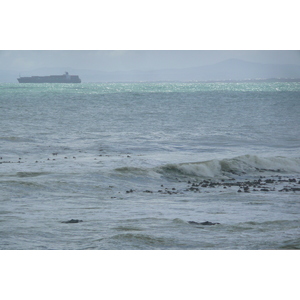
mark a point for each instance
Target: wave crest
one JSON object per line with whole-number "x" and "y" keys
{"x": 241, "y": 165}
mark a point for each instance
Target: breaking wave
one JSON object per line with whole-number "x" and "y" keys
{"x": 226, "y": 168}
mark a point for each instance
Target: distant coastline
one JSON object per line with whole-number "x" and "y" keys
{"x": 253, "y": 80}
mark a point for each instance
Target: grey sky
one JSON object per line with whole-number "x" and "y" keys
{"x": 104, "y": 60}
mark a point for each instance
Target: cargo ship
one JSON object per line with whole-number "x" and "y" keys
{"x": 65, "y": 78}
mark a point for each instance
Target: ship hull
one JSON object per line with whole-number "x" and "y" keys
{"x": 50, "y": 79}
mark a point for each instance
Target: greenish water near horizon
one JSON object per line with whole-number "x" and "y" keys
{"x": 160, "y": 86}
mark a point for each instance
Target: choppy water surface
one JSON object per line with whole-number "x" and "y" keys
{"x": 136, "y": 162}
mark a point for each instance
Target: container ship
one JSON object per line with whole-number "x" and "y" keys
{"x": 65, "y": 78}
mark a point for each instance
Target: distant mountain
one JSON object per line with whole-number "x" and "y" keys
{"x": 231, "y": 69}
{"x": 239, "y": 70}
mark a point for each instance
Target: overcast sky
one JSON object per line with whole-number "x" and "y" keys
{"x": 21, "y": 60}
{"x": 143, "y": 26}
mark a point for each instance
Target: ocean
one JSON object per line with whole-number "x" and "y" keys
{"x": 150, "y": 166}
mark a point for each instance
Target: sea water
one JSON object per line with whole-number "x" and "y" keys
{"x": 131, "y": 164}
